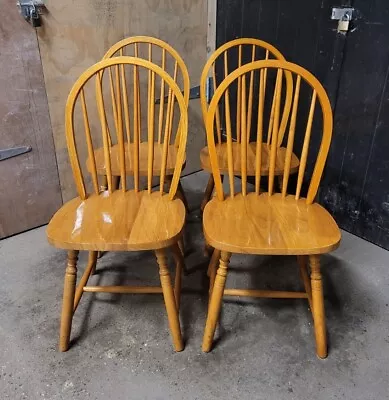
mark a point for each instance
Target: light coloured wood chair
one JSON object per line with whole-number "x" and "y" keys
{"x": 223, "y": 61}
{"x": 270, "y": 222}
{"x": 164, "y": 55}
{"x": 121, "y": 219}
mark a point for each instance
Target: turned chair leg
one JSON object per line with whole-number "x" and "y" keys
{"x": 318, "y": 307}
{"x": 179, "y": 259}
{"x": 208, "y": 192}
{"x": 216, "y": 301}
{"x": 212, "y": 268}
{"x": 68, "y": 300}
{"x": 302, "y": 261}
{"x": 170, "y": 302}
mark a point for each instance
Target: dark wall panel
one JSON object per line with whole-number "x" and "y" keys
{"x": 353, "y": 68}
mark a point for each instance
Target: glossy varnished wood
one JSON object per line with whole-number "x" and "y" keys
{"x": 131, "y": 44}
{"x": 118, "y": 221}
{"x": 223, "y": 51}
{"x": 222, "y": 158}
{"x": 215, "y": 301}
{"x": 150, "y": 160}
{"x": 327, "y": 123}
{"x": 231, "y": 150}
{"x": 318, "y": 307}
{"x": 68, "y": 300}
{"x": 170, "y": 301}
{"x": 119, "y": 218}
{"x": 269, "y": 225}
{"x": 269, "y": 222}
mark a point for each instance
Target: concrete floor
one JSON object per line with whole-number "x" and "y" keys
{"x": 121, "y": 347}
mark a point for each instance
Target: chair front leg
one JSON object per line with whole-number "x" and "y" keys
{"x": 179, "y": 259}
{"x": 318, "y": 307}
{"x": 68, "y": 300}
{"x": 170, "y": 302}
{"x": 212, "y": 268}
{"x": 302, "y": 261}
{"x": 216, "y": 301}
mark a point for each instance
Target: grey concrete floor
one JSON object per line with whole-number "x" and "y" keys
{"x": 121, "y": 347}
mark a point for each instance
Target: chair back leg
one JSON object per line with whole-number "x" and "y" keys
{"x": 318, "y": 307}
{"x": 216, "y": 301}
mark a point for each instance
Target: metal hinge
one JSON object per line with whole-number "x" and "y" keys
{"x": 31, "y": 10}
{"x": 194, "y": 93}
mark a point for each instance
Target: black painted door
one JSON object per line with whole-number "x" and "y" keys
{"x": 353, "y": 68}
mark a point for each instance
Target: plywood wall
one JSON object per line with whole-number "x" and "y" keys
{"x": 75, "y": 35}
{"x": 29, "y": 187}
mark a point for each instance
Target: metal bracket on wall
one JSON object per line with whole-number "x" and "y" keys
{"x": 31, "y": 10}
{"x": 13, "y": 151}
{"x": 343, "y": 15}
{"x": 194, "y": 93}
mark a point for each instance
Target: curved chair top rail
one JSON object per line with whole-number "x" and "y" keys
{"x": 223, "y": 51}
{"x": 134, "y": 41}
{"x": 116, "y": 93}
{"x": 263, "y": 68}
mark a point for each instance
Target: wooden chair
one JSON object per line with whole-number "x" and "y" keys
{"x": 121, "y": 219}
{"x": 269, "y": 222}
{"x": 162, "y": 54}
{"x": 223, "y": 61}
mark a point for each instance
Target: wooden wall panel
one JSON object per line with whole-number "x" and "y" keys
{"x": 29, "y": 185}
{"x": 75, "y": 35}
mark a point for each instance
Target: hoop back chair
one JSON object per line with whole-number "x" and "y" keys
{"x": 164, "y": 55}
{"x": 125, "y": 218}
{"x": 269, "y": 222}
{"x": 224, "y": 60}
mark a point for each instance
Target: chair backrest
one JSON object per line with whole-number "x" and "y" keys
{"x": 262, "y": 70}
{"x": 109, "y": 96}
{"x": 233, "y": 55}
{"x": 156, "y": 51}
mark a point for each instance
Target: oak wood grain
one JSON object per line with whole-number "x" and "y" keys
{"x": 118, "y": 221}
{"x": 84, "y": 33}
{"x": 269, "y": 225}
{"x": 117, "y": 218}
{"x": 317, "y": 90}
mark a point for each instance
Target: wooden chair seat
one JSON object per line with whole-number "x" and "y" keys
{"x": 119, "y": 221}
{"x": 222, "y": 157}
{"x": 269, "y": 225}
{"x": 143, "y": 159}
